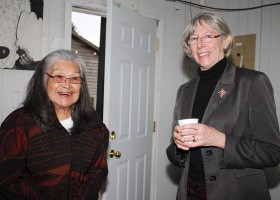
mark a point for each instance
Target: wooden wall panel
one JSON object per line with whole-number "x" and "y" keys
{"x": 91, "y": 58}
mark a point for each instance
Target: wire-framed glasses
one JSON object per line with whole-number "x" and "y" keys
{"x": 205, "y": 38}
{"x": 62, "y": 79}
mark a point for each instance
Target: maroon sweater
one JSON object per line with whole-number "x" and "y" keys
{"x": 51, "y": 164}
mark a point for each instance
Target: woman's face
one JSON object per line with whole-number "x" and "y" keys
{"x": 207, "y": 54}
{"x": 63, "y": 95}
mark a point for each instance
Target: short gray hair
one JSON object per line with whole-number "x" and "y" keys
{"x": 212, "y": 21}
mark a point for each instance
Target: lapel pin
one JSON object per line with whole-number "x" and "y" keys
{"x": 222, "y": 92}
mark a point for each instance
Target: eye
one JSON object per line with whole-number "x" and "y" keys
{"x": 59, "y": 77}
{"x": 192, "y": 39}
{"x": 76, "y": 79}
{"x": 4, "y": 52}
{"x": 208, "y": 36}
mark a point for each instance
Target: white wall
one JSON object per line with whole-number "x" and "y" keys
{"x": 12, "y": 89}
{"x": 173, "y": 68}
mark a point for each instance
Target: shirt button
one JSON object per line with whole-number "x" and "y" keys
{"x": 209, "y": 152}
{"x": 212, "y": 178}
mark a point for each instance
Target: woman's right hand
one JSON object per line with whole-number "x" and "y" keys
{"x": 182, "y": 142}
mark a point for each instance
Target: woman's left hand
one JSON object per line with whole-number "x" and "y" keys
{"x": 203, "y": 135}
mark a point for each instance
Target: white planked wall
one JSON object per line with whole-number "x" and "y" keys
{"x": 173, "y": 68}
{"x": 13, "y": 85}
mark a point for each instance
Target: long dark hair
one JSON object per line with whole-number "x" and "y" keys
{"x": 40, "y": 106}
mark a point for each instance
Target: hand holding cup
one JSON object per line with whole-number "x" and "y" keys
{"x": 188, "y": 121}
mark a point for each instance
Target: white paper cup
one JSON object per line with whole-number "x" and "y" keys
{"x": 182, "y": 122}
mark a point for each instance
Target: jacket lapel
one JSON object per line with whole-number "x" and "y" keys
{"x": 221, "y": 92}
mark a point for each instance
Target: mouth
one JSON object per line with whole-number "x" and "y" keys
{"x": 65, "y": 93}
{"x": 202, "y": 54}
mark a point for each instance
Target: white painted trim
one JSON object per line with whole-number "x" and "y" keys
{"x": 93, "y": 11}
{"x": 155, "y": 153}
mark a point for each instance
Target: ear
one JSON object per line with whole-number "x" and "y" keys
{"x": 226, "y": 41}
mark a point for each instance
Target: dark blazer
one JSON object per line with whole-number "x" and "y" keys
{"x": 242, "y": 106}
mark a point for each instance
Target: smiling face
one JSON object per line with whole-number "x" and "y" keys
{"x": 63, "y": 95}
{"x": 208, "y": 54}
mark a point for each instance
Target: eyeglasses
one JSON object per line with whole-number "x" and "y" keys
{"x": 205, "y": 38}
{"x": 62, "y": 79}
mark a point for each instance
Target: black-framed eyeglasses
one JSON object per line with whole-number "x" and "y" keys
{"x": 62, "y": 79}
{"x": 205, "y": 38}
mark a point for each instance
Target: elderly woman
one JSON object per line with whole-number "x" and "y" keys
{"x": 224, "y": 155}
{"x": 55, "y": 146}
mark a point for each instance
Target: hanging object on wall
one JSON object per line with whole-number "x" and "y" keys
{"x": 177, "y": 5}
{"x": 243, "y": 53}
{"x": 21, "y": 33}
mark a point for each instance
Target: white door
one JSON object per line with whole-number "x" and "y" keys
{"x": 128, "y": 102}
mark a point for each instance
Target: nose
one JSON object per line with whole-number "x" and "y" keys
{"x": 200, "y": 43}
{"x": 67, "y": 83}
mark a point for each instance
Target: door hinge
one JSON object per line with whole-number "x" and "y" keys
{"x": 154, "y": 127}
{"x": 157, "y": 44}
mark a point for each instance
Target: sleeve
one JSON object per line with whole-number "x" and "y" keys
{"x": 176, "y": 156}
{"x": 13, "y": 148}
{"x": 98, "y": 172}
{"x": 261, "y": 147}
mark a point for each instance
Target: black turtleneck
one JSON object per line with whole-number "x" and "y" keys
{"x": 207, "y": 82}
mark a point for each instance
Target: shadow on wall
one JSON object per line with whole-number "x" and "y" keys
{"x": 174, "y": 173}
{"x": 189, "y": 67}
{"x": 273, "y": 176}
